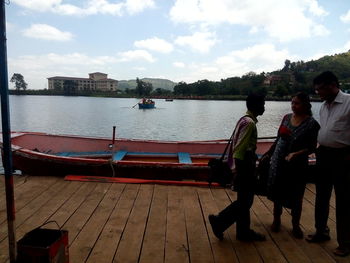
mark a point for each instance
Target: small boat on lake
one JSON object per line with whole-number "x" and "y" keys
{"x": 146, "y": 104}
{"x": 60, "y": 155}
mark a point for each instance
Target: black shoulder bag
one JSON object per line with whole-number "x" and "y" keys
{"x": 220, "y": 171}
{"x": 262, "y": 171}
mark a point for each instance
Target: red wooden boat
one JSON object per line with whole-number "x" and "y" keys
{"x": 48, "y": 154}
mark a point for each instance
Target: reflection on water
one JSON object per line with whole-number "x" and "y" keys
{"x": 176, "y": 120}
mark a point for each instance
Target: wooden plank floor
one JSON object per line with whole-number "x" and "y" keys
{"x": 155, "y": 223}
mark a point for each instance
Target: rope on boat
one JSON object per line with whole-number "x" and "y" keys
{"x": 110, "y": 161}
{"x": 112, "y": 145}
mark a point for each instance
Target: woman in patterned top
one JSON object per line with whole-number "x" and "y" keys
{"x": 297, "y": 138}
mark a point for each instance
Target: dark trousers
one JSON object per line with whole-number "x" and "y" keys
{"x": 333, "y": 167}
{"x": 239, "y": 211}
{"x": 295, "y": 211}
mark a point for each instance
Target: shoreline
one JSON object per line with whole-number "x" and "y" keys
{"x": 174, "y": 97}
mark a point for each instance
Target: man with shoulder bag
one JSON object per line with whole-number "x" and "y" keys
{"x": 242, "y": 159}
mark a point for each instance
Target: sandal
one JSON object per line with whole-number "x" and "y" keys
{"x": 297, "y": 232}
{"x": 341, "y": 251}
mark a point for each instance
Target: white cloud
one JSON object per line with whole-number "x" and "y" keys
{"x": 257, "y": 58}
{"x": 90, "y": 7}
{"x": 38, "y": 5}
{"x": 284, "y": 20}
{"x": 47, "y": 32}
{"x": 345, "y": 18}
{"x": 199, "y": 41}
{"x": 346, "y": 47}
{"x": 37, "y": 68}
{"x": 179, "y": 64}
{"x": 330, "y": 51}
{"x": 155, "y": 44}
{"x": 320, "y": 30}
{"x": 139, "y": 68}
{"x": 137, "y": 6}
{"x": 9, "y": 26}
{"x": 52, "y": 60}
{"x": 315, "y": 9}
{"x": 133, "y": 55}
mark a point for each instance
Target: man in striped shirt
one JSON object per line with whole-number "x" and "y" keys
{"x": 333, "y": 162}
{"x": 243, "y": 160}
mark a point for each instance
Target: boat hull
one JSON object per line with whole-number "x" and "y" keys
{"x": 48, "y": 167}
{"x": 60, "y": 155}
{"x": 146, "y": 105}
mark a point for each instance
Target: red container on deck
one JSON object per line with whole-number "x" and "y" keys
{"x": 43, "y": 246}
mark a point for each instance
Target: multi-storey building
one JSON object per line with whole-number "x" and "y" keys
{"x": 97, "y": 81}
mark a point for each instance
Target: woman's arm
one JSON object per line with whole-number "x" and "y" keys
{"x": 292, "y": 155}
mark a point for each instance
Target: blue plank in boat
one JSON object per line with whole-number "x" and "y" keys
{"x": 82, "y": 153}
{"x": 184, "y": 157}
{"x": 119, "y": 155}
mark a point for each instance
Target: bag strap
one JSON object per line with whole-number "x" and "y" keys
{"x": 231, "y": 138}
{"x": 227, "y": 145}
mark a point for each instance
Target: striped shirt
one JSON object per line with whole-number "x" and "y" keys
{"x": 245, "y": 137}
{"x": 335, "y": 122}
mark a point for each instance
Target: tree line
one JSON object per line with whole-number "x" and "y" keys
{"x": 292, "y": 78}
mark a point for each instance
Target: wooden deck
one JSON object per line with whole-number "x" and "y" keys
{"x": 153, "y": 223}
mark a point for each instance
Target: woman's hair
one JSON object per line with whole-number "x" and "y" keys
{"x": 305, "y": 101}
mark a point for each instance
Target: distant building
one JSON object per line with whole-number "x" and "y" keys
{"x": 271, "y": 80}
{"x": 97, "y": 81}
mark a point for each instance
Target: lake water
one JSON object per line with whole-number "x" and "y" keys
{"x": 175, "y": 120}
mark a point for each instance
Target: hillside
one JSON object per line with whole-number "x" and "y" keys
{"x": 156, "y": 83}
{"x": 305, "y": 71}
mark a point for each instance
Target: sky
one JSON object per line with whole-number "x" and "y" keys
{"x": 179, "y": 40}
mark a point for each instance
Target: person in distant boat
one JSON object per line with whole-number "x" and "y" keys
{"x": 242, "y": 157}
{"x": 296, "y": 139}
{"x": 333, "y": 162}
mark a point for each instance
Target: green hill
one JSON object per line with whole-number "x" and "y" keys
{"x": 156, "y": 83}
{"x": 304, "y": 72}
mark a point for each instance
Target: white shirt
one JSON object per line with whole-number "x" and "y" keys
{"x": 335, "y": 122}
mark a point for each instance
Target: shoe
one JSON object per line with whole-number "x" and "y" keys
{"x": 276, "y": 226}
{"x": 297, "y": 232}
{"x": 251, "y": 236}
{"x": 213, "y": 220}
{"x": 318, "y": 237}
{"x": 341, "y": 251}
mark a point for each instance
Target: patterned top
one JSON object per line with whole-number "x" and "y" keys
{"x": 292, "y": 139}
{"x": 286, "y": 182}
{"x": 245, "y": 136}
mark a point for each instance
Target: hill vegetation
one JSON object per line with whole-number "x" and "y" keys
{"x": 293, "y": 77}
{"x": 156, "y": 83}
{"x": 279, "y": 84}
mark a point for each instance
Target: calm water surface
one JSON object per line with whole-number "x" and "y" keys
{"x": 176, "y": 120}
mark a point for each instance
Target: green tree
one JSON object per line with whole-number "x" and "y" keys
{"x": 160, "y": 91}
{"x": 143, "y": 88}
{"x": 281, "y": 91}
{"x": 19, "y": 81}
{"x": 287, "y": 65}
{"x": 180, "y": 88}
